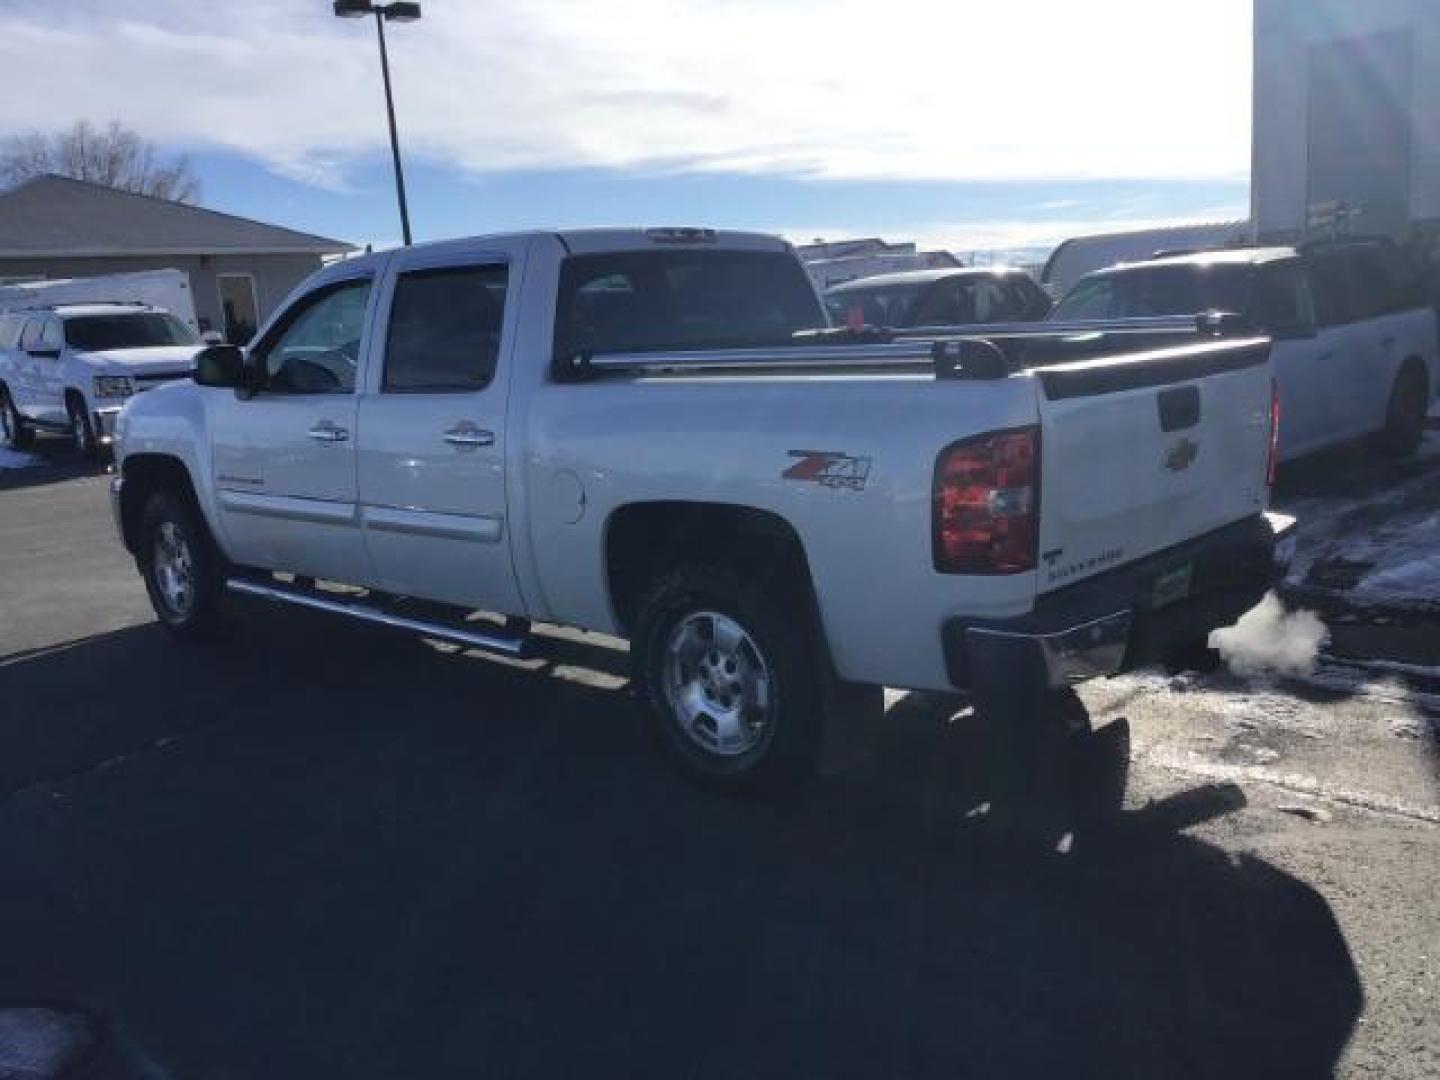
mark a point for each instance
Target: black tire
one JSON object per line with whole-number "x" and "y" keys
{"x": 1406, "y": 416}
{"x": 778, "y": 742}
{"x": 171, "y": 524}
{"x": 82, "y": 427}
{"x": 17, "y": 433}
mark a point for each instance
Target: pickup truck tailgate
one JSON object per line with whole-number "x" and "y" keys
{"x": 1141, "y": 453}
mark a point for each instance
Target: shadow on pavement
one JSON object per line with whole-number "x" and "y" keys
{"x": 321, "y": 851}
{"x": 55, "y": 459}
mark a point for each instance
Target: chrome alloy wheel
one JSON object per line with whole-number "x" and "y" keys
{"x": 173, "y": 566}
{"x": 719, "y": 688}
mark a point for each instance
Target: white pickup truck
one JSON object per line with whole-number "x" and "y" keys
{"x": 626, "y": 431}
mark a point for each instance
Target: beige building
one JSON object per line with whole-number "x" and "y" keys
{"x": 239, "y": 269}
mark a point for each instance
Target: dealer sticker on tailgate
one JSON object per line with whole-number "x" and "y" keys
{"x": 1172, "y": 585}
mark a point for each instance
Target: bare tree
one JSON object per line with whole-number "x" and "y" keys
{"x": 114, "y": 156}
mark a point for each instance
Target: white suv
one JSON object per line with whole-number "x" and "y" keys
{"x": 69, "y": 369}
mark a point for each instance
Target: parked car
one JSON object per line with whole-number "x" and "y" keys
{"x": 1354, "y": 336}
{"x": 948, "y": 296}
{"x": 631, "y": 437}
{"x": 69, "y": 368}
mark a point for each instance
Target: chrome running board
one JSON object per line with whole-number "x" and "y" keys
{"x": 354, "y": 609}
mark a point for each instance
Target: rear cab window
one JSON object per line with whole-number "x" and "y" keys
{"x": 654, "y": 300}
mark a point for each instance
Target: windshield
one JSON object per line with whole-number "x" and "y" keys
{"x": 142, "y": 330}
{"x": 682, "y": 300}
{"x": 882, "y": 305}
{"x": 1158, "y": 290}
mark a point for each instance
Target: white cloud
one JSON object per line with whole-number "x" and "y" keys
{"x": 836, "y": 89}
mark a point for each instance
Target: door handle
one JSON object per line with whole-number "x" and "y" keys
{"x": 468, "y": 435}
{"x": 325, "y": 431}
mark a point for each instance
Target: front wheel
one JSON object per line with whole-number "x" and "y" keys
{"x": 1405, "y": 418}
{"x": 181, "y": 566}
{"x": 18, "y": 434}
{"x": 730, "y": 678}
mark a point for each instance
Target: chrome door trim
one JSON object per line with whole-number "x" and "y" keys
{"x": 287, "y": 507}
{"x": 486, "y": 529}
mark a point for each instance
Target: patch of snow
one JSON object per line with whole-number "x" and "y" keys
{"x": 1391, "y": 538}
{"x": 1194, "y": 764}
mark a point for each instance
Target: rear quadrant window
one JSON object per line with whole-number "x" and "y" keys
{"x": 445, "y": 327}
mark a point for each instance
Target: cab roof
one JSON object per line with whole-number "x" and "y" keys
{"x": 1219, "y": 257}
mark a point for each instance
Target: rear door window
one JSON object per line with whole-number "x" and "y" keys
{"x": 445, "y": 329}
{"x": 1336, "y": 302}
{"x": 650, "y": 300}
{"x": 1284, "y": 300}
{"x": 1385, "y": 280}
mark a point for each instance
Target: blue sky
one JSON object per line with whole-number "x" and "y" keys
{"x": 960, "y": 124}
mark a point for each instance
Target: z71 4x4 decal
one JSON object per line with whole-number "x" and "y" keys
{"x": 829, "y": 468}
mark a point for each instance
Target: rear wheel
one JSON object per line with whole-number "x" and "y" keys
{"x": 82, "y": 427}
{"x": 730, "y": 678}
{"x": 182, "y": 568}
{"x": 1405, "y": 417}
{"x": 17, "y": 433}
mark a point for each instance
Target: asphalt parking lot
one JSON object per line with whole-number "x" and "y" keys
{"x": 316, "y": 849}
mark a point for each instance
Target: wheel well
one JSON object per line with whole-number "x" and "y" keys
{"x": 645, "y": 540}
{"x": 144, "y": 475}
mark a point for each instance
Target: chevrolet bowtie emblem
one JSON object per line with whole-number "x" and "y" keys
{"x": 1181, "y": 456}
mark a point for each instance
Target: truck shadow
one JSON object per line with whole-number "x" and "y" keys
{"x": 320, "y": 851}
{"x": 50, "y": 460}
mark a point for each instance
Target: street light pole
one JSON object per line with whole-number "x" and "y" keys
{"x": 394, "y": 137}
{"x": 397, "y": 11}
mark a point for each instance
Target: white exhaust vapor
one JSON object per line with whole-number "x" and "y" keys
{"x": 1269, "y": 640}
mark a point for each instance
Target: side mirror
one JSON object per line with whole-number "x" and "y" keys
{"x": 220, "y": 365}
{"x": 213, "y": 337}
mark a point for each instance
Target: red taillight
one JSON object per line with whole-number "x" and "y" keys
{"x": 987, "y": 505}
{"x": 1273, "y": 460}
